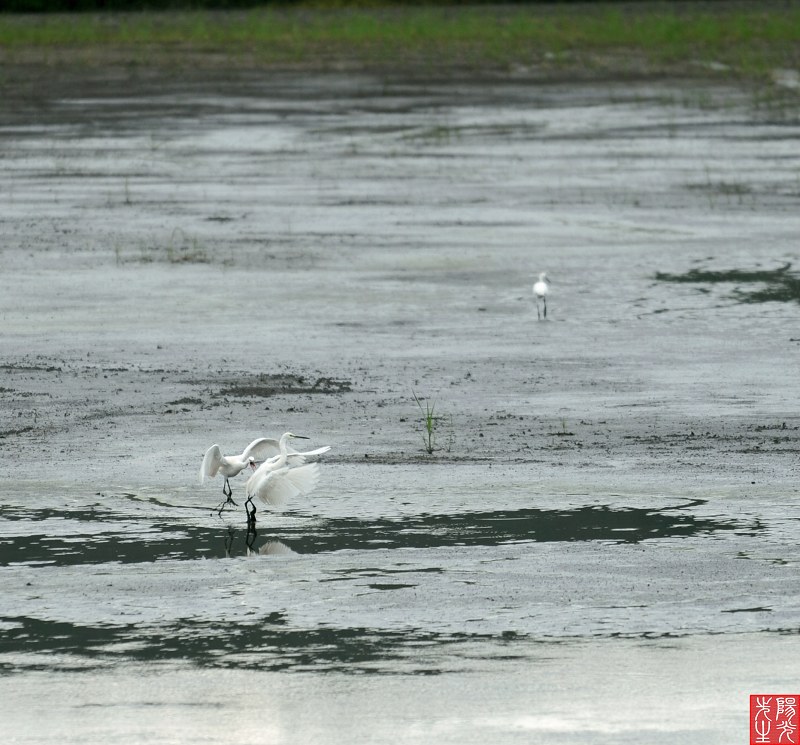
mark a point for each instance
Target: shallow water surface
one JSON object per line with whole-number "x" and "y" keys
{"x": 602, "y": 546}
{"x": 97, "y": 537}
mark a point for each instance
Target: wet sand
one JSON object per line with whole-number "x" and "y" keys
{"x": 609, "y": 516}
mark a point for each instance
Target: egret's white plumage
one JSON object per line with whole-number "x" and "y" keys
{"x": 232, "y": 465}
{"x": 283, "y": 476}
{"x": 287, "y": 455}
{"x": 540, "y": 289}
{"x": 259, "y": 451}
{"x": 228, "y": 466}
{"x": 278, "y": 486}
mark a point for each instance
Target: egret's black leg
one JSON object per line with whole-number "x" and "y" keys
{"x": 545, "y": 306}
{"x": 222, "y": 505}
{"x": 251, "y": 513}
{"x": 538, "y": 311}
{"x": 228, "y": 492}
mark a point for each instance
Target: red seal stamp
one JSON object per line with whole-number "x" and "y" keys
{"x": 773, "y": 719}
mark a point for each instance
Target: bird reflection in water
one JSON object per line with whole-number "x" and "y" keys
{"x": 270, "y": 548}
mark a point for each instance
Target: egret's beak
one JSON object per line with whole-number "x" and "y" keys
{"x": 300, "y": 437}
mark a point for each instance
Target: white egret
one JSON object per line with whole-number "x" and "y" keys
{"x": 232, "y": 465}
{"x": 262, "y": 450}
{"x": 279, "y": 485}
{"x": 282, "y": 477}
{"x": 293, "y": 457}
{"x": 540, "y": 290}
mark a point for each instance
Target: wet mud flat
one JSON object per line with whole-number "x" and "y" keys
{"x": 611, "y": 501}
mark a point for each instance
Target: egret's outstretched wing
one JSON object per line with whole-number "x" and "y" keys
{"x": 296, "y": 459}
{"x": 276, "y": 487}
{"x": 261, "y": 449}
{"x": 211, "y": 463}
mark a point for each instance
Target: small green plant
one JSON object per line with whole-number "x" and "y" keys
{"x": 429, "y": 421}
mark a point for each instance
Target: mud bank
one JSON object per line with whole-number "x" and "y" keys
{"x": 199, "y": 263}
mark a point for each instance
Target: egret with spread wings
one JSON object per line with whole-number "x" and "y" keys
{"x": 229, "y": 466}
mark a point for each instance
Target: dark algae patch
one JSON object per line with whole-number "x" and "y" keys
{"x": 268, "y": 643}
{"x": 106, "y": 540}
{"x": 604, "y": 523}
{"x": 775, "y": 285}
{"x": 275, "y": 385}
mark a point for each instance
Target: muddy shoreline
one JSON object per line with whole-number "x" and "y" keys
{"x": 611, "y": 489}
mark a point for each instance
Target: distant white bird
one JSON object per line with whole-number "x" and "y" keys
{"x": 282, "y": 477}
{"x": 540, "y": 290}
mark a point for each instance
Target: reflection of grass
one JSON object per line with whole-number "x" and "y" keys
{"x": 749, "y": 40}
{"x": 780, "y": 285}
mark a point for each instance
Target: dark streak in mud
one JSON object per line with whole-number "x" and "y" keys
{"x": 30, "y": 368}
{"x": 14, "y": 432}
{"x": 268, "y": 643}
{"x": 275, "y": 385}
{"x": 731, "y": 275}
{"x": 781, "y": 284}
